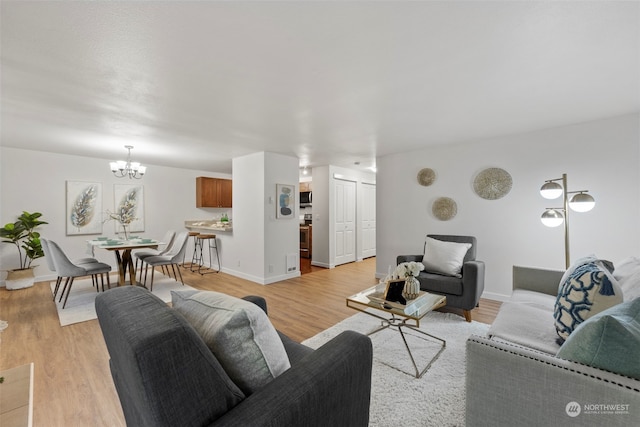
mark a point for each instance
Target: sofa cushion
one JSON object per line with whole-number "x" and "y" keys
{"x": 238, "y": 333}
{"x": 444, "y": 257}
{"x": 526, "y": 319}
{"x": 609, "y": 340}
{"x": 588, "y": 290}
{"x": 440, "y": 284}
{"x": 627, "y": 273}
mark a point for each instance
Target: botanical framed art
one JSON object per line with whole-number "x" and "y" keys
{"x": 129, "y": 207}
{"x": 285, "y": 200}
{"x": 84, "y": 207}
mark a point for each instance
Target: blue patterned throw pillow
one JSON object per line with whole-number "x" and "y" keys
{"x": 588, "y": 290}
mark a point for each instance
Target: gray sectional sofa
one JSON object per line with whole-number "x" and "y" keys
{"x": 166, "y": 375}
{"x": 514, "y": 377}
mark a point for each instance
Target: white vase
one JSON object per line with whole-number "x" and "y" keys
{"x": 411, "y": 288}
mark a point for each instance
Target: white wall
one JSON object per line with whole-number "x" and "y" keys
{"x": 261, "y": 242}
{"x": 601, "y": 156}
{"x": 36, "y": 181}
{"x": 247, "y": 254}
{"x": 282, "y": 236}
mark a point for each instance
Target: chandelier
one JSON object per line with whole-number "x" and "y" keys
{"x": 128, "y": 168}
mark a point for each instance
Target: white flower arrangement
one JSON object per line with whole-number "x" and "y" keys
{"x": 408, "y": 269}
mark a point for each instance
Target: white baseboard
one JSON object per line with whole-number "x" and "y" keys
{"x": 495, "y": 297}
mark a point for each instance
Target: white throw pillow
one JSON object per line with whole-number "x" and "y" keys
{"x": 238, "y": 333}
{"x": 444, "y": 257}
{"x": 627, "y": 273}
{"x": 630, "y": 286}
{"x": 626, "y": 268}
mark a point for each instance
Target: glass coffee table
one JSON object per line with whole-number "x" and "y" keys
{"x": 400, "y": 317}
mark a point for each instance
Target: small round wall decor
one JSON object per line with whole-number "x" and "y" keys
{"x": 426, "y": 177}
{"x": 444, "y": 208}
{"x": 492, "y": 183}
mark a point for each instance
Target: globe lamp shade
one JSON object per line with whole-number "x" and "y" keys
{"x": 552, "y": 218}
{"x": 582, "y": 202}
{"x": 551, "y": 190}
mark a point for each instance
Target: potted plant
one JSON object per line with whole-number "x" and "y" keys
{"x": 24, "y": 236}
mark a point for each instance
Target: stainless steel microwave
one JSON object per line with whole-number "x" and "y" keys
{"x": 305, "y": 199}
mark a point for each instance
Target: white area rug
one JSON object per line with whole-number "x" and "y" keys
{"x": 397, "y": 397}
{"x": 81, "y": 303}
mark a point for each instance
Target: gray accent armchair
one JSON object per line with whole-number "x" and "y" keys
{"x": 464, "y": 292}
{"x": 165, "y": 374}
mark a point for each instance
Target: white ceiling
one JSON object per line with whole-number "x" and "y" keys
{"x": 194, "y": 84}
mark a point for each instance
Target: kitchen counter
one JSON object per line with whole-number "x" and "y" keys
{"x": 208, "y": 225}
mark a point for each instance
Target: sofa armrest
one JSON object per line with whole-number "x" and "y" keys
{"x": 330, "y": 387}
{"x": 537, "y": 279}
{"x": 512, "y": 385}
{"x": 472, "y": 282}
{"x": 408, "y": 258}
{"x": 259, "y": 301}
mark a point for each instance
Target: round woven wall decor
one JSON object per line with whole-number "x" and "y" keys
{"x": 444, "y": 208}
{"x": 492, "y": 183}
{"x": 426, "y": 177}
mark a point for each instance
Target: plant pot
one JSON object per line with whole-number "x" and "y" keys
{"x": 19, "y": 279}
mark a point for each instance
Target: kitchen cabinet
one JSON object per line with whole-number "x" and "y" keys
{"x": 305, "y": 186}
{"x": 213, "y": 192}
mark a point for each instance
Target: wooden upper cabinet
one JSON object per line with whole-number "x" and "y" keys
{"x": 305, "y": 186}
{"x": 213, "y": 192}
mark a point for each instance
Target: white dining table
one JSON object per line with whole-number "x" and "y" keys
{"x": 122, "y": 250}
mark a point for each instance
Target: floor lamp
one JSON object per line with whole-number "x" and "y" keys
{"x": 553, "y": 217}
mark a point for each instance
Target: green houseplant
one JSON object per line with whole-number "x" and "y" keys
{"x": 22, "y": 233}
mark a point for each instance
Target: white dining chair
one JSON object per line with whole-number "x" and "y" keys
{"x": 141, "y": 255}
{"x": 49, "y": 258}
{"x": 172, "y": 258}
{"x": 66, "y": 269}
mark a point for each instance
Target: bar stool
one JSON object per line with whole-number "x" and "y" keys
{"x": 193, "y": 234}
{"x": 197, "y": 258}
{"x": 212, "y": 243}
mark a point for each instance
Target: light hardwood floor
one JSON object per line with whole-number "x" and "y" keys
{"x": 73, "y": 385}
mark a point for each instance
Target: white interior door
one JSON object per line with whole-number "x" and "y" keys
{"x": 368, "y": 220}
{"x": 345, "y": 221}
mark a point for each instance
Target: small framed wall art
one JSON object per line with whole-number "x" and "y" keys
{"x": 285, "y": 201}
